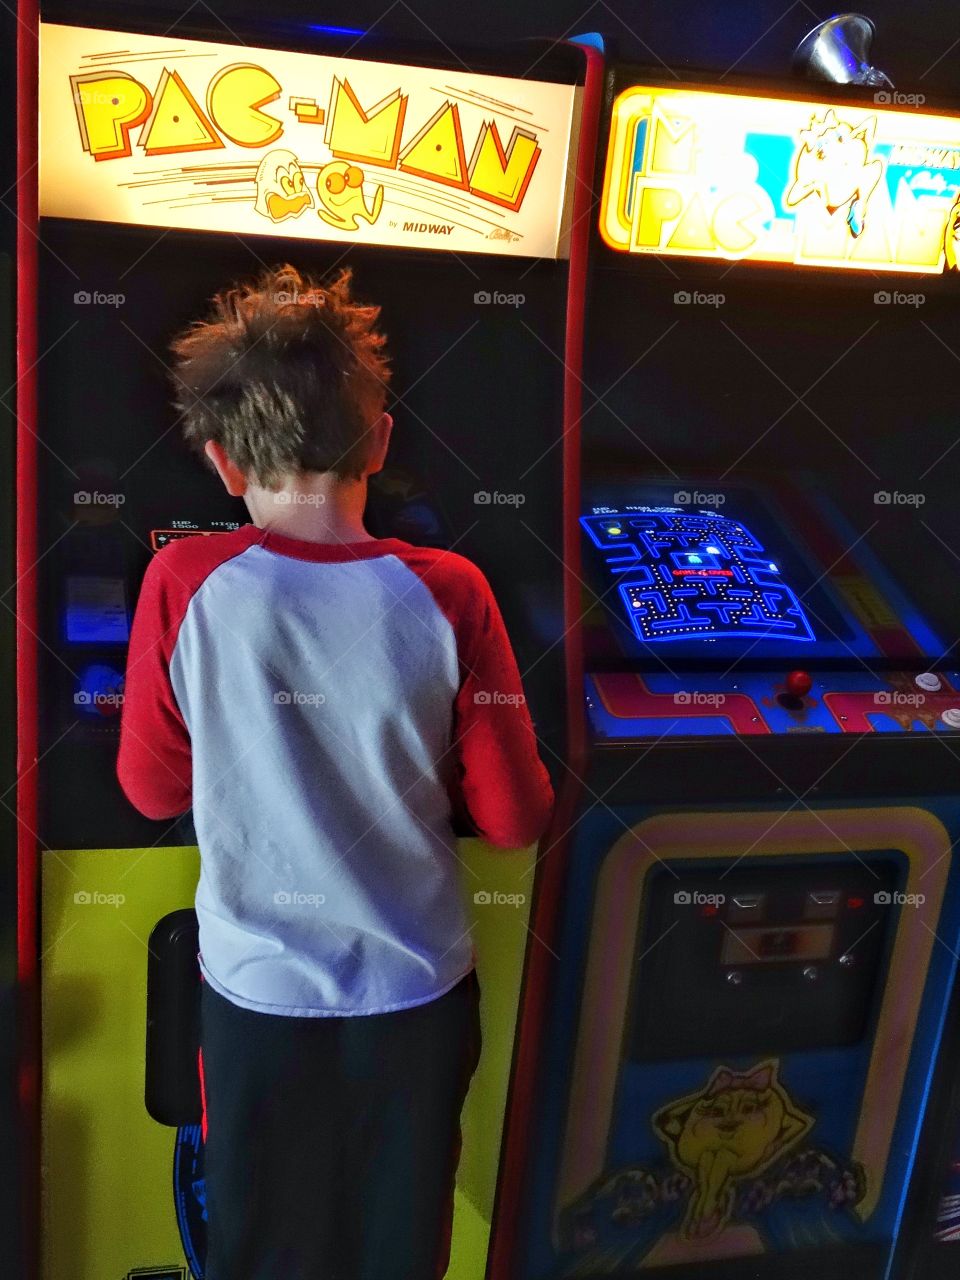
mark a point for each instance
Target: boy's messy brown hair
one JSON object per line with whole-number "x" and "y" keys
{"x": 287, "y": 374}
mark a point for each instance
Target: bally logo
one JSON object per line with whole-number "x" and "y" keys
{"x": 431, "y": 228}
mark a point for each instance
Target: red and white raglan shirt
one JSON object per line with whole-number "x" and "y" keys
{"x": 326, "y": 710}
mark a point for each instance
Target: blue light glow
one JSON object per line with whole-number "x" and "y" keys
{"x": 670, "y": 590}
{"x": 335, "y": 31}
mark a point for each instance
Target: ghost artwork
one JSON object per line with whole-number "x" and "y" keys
{"x": 341, "y": 199}
{"x": 281, "y": 190}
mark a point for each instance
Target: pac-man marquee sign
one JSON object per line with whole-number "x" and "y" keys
{"x": 722, "y": 175}
{"x": 186, "y": 133}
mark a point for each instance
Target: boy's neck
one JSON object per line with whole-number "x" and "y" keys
{"x": 314, "y": 506}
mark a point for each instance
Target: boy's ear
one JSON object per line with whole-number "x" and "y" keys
{"x": 380, "y": 439}
{"x": 234, "y": 481}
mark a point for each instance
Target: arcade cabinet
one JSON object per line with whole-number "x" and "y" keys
{"x": 745, "y": 934}
{"x": 169, "y": 165}
{"x": 9, "y": 1216}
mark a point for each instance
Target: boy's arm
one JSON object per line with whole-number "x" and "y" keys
{"x": 504, "y": 786}
{"x": 154, "y": 765}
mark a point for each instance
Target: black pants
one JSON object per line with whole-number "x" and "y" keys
{"x": 332, "y": 1143}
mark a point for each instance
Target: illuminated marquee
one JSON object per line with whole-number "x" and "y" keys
{"x": 184, "y": 133}
{"x": 722, "y": 175}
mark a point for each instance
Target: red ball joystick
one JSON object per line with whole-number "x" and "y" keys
{"x": 799, "y": 684}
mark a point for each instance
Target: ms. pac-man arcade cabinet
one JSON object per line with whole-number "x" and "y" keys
{"x": 745, "y": 934}
{"x": 171, "y": 163}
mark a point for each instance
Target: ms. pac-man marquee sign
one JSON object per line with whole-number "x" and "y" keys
{"x": 723, "y": 175}
{"x": 186, "y": 133}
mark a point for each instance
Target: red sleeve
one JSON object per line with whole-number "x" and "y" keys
{"x": 154, "y": 765}
{"x": 502, "y": 783}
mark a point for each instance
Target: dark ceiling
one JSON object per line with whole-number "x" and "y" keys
{"x": 917, "y": 44}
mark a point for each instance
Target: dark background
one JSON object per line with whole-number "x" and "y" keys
{"x": 913, "y": 41}
{"x": 918, "y": 45}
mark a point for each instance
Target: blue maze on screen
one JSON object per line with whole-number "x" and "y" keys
{"x": 684, "y": 575}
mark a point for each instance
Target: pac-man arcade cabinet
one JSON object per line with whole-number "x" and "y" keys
{"x": 745, "y": 934}
{"x": 169, "y": 165}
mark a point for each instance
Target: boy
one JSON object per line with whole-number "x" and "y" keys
{"x": 326, "y": 703}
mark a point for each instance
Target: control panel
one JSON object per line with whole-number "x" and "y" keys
{"x": 623, "y": 705}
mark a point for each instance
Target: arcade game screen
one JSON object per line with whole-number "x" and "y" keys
{"x": 684, "y": 574}
{"x": 729, "y": 574}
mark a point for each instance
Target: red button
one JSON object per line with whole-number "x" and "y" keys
{"x": 799, "y": 684}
